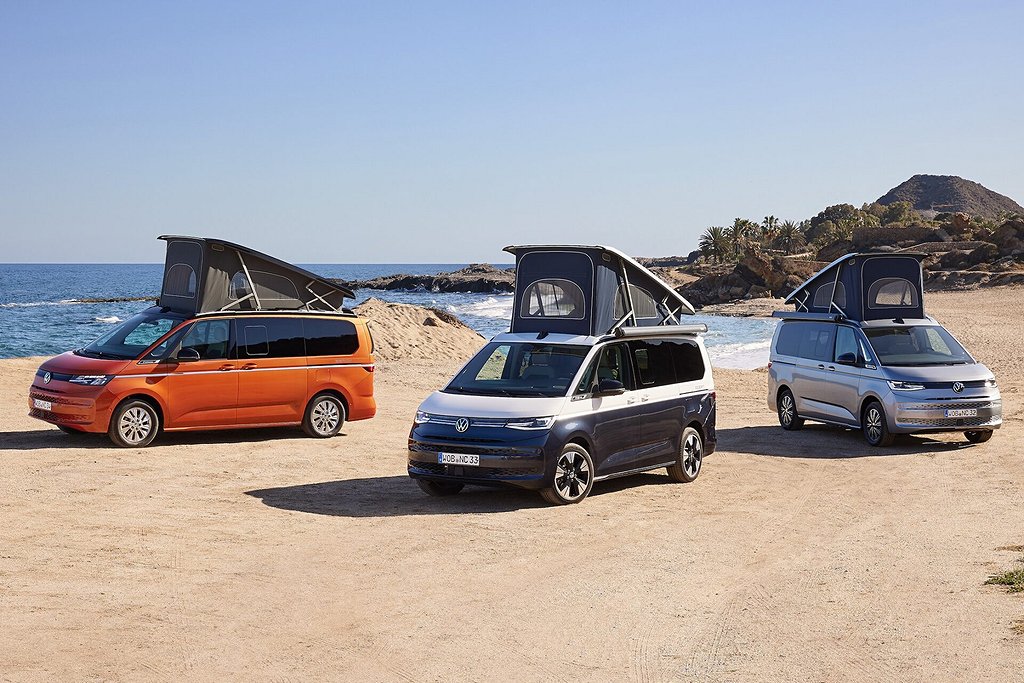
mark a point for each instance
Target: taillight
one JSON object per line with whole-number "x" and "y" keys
{"x": 769, "y": 365}
{"x": 369, "y": 368}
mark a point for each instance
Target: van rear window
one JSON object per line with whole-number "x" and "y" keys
{"x": 328, "y": 337}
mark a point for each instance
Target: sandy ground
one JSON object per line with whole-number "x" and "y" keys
{"x": 802, "y": 556}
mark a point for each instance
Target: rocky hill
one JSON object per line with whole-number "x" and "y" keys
{"x": 950, "y": 194}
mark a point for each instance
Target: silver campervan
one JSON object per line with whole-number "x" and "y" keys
{"x": 859, "y": 351}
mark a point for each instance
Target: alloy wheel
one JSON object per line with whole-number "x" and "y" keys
{"x": 572, "y": 475}
{"x": 873, "y": 424}
{"x": 135, "y": 425}
{"x": 693, "y": 451}
{"x": 325, "y": 416}
{"x": 786, "y": 411}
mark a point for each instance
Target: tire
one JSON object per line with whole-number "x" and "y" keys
{"x": 691, "y": 456}
{"x": 788, "y": 417}
{"x": 875, "y": 427}
{"x": 325, "y": 416}
{"x": 574, "y": 477}
{"x": 440, "y": 488}
{"x": 980, "y": 436}
{"x": 134, "y": 424}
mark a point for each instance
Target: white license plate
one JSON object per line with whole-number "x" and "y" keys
{"x": 42, "y": 405}
{"x": 458, "y": 459}
{"x": 962, "y": 412}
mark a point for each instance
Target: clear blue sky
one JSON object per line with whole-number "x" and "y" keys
{"x": 440, "y": 132}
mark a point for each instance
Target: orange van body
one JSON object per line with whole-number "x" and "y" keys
{"x": 229, "y": 384}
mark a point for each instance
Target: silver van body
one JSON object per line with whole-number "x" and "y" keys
{"x": 832, "y": 373}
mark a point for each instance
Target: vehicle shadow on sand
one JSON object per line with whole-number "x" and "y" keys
{"x": 37, "y": 439}
{"x": 824, "y": 441}
{"x": 399, "y": 496}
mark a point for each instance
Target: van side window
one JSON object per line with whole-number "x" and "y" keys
{"x": 329, "y": 337}
{"x": 611, "y": 363}
{"x": 816, "y": 340}
{"x": 846, "y": 344}
{"x": 270, "y": 337}
{"x": 788, "y": 343}
{"x": 688, "y": 362}
{"x": 653, "y": 362}
{"x": 211, "y": 338}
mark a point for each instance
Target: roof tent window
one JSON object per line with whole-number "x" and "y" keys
{"x": 271, "y": 287}
{"x": 553, "y": 298}
{"x": 823, "y": 295}
{"x": 239, "y": 286}
{"x": 892, "y": 292}
{"x": 644, "y": 305}
{"x": 180, "y": 281}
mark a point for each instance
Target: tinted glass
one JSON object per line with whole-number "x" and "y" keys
{"x": 611, "y": 363}
{"x": 520, "y": 369}
{"x": 788, "y": 343}
{"x": 686, "y": 358}
{"x": 270, "y": 337}
{"x": 210, "y": 338}
{"x": 654, "y": 365}
{"x": 816, "y": 340}
{"x": 917, "y": 345}
{"x": 846, "y": 343}
{"x": 133, "y": 336}
{"x": 329, "y": 337}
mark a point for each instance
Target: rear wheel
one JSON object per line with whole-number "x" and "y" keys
{"x": 978, "y": 436}
{"x": 439, "y": 488}
{"x": 134, "y": 424}
{"x": 691, "y": 456}
{"x": 875, "y": 426}
{"x": 574, "y": 476}
{"x": 788, "y": 417}
{"x": 324, "y": 417}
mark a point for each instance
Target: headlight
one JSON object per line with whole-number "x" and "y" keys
{"x": 91, "y": 380}
{"x": 905, "y": 386}
{"x": 421, "y": 417}
{"x": 530, "y": 422}
{"x": 991, "y": 383}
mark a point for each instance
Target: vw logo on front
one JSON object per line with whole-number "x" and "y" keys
{"x": 461, "y": 425}
{"x": 47, "y": 377}
{"x": 958, "y": 387}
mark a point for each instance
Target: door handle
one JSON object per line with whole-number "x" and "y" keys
{"x": 226, "y": 367}
{"x": 645, "y": 399}
{"x": 630, "y": 401}
{"x": 821, "y": 366}
{"x": 249, "y": 366}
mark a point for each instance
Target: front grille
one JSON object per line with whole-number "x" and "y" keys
{"x": 950, "y": 421}
{"x": 949, "y": 406}
{"x": 475, "y": 472}
{"x": 419, "y": 447}
{"x": 62, "y": 400}
{"x": 58, "y": 376}
{"x": 450, "y": 421}
{"x": 973, "y": 384}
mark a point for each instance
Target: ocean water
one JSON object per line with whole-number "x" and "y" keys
{"x": 42, "y": 312}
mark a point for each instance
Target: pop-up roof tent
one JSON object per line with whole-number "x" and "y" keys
{"x": 865, "y": 287}
{"x": 205, "y": 275}
{"x": 588, "y": 291}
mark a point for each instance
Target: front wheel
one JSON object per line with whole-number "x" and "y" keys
{"x": 574, "y": 477}
{"x": 980, "y": 436}
{"x": 875, "y": 426}
{"x": 134, "y": 424}
{"x": 324, "y": 417}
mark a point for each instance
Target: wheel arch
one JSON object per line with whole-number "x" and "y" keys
{"x": 151, "y": 399}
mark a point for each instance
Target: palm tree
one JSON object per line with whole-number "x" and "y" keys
{"x": 769, "y": 228}
{"x": 790, "y": 235}
{"x": 713, "y": 243}
{"x": 740, "y": 230}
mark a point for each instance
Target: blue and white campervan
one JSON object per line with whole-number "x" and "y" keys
{"x": 597, "y": 378}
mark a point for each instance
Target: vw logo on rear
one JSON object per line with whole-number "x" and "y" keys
{"x": 461, "y": 425}
{"x": 47, "y": 377}
{"x": 958, "y": 387}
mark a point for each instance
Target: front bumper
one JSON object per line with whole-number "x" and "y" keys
{"x": 522, "y": 462}
{"x": 931, "y": 416}
{"x": 83, "y": 412}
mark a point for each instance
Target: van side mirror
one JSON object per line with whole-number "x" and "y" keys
{"x": 847, "y": 359}
{"x": 610, "y": 387}
{"x": 187, "y": 355}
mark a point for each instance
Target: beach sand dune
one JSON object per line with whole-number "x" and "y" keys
{"x": 267, "y": 555}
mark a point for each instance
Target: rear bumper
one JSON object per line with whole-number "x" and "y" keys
{"x": 923, "y": 416}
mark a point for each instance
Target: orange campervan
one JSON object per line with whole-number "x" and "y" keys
{"x": 238, "y": 339}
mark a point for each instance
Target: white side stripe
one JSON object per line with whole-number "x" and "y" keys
{"x": 230, "y": 370}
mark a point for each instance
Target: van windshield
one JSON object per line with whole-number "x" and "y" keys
{"x": 520, "y": 369}
{"x": 129, "y": 339}
{"x": 916, "y": 345}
